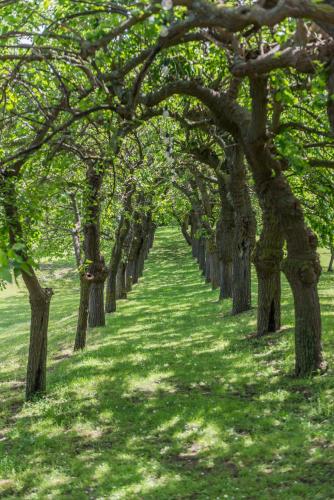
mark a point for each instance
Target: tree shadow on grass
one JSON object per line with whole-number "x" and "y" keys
{"x": 171, "y": 401}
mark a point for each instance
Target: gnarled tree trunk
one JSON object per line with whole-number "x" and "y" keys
{"x": 302, "y": 266}
{"x": 268, "y": 256}
{"x": 303, "y": 277}
{"x": 244, "y": 231}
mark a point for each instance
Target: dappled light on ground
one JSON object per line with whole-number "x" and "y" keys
{"x": 171, "y": 400}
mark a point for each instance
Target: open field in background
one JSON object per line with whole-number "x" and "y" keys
{"x": 169, "y": 401}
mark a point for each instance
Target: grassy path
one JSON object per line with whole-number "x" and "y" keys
{"x": 170, "y": 401}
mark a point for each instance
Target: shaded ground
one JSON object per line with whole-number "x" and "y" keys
{"x": 170, "y": 401}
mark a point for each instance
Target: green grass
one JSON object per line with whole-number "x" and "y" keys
{"x": 170, "y": 401}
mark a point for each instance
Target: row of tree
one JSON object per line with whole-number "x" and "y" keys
{"x": 117, "y": 117}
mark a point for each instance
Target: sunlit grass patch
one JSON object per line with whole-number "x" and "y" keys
{"x": 173, "y": 399}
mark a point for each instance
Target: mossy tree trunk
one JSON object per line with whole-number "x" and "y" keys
{"x": 302, "y": 266}
{"x": 96, "y": 271}
{"x": 268, "y": 257}
{"x": 244, "y": 230}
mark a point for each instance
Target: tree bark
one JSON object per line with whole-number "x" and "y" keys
{"x": 224, "y": 243}
{"x": 302, "y": 279}
{"x": 184, "y": 224}
{"x": 194, "y": 226}
{"x": 121, "y": 289}
{"x": 97, "y": 271}
{"x": 39, "y": 297}
{"x": 81, "y": 334}
{"x": 121, "y": 235}
{"x": 331, "y": 262}
{"x": 224, "y": 237}
{"x": 129, "y": 276}
{"x": 202, "y": 255}
{"x": 301, "y": 267}
{"x": 96, "y": 316}
{"x": 140, "y": 244}
{"x": 76, "y": 231}
{"x": 244, "y": 231}
{"x": 115, "y": 261}
{"x": 212, "y": 270}
{"x": 267, "y": 259}
{"x": 36, "y": 369}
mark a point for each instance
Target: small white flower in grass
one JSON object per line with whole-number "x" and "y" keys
{"x": 167, "y": 4}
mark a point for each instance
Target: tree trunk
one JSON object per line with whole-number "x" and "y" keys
{"x": 307, "y": 314}
{"x": 269, "y": 301}
{"x": 184, "y": 224}
{"x": 140, "y": 262}
{"x": 39, "y": 297}
{"x": 36, "y": 369}
{"x": 193, "y": 235}
{"x": 267, "y": 259}
{"x": 111, "y": 296}
{"x": 96, "y": 316}
{"x": 224, "y": 239}
{"x": 81, "y": 334}
{"x": 244, "y": 231}
{"x": 301, "y": 267}
{"x": 76, "y": 231}
{"x": 136, "y": 243}
{"x": 121, "y": 292}
{"x": 331, "y": 262}
{"x": 121, "y": 237}
{"x": 141, "y": 249}
{"x": 241, "y": 276}
{"x": 207, "y": 265}
{"x": 226, "y": 280}
{"x": 212, "y": 265}
{"x": 129, "y": 275}
{"x": 201, "y": 255}
{"x": 97, "y": 271}
{"x": 215, "y": 274}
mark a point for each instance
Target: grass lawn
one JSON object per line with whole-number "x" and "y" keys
{"x": 169, "y": 401}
